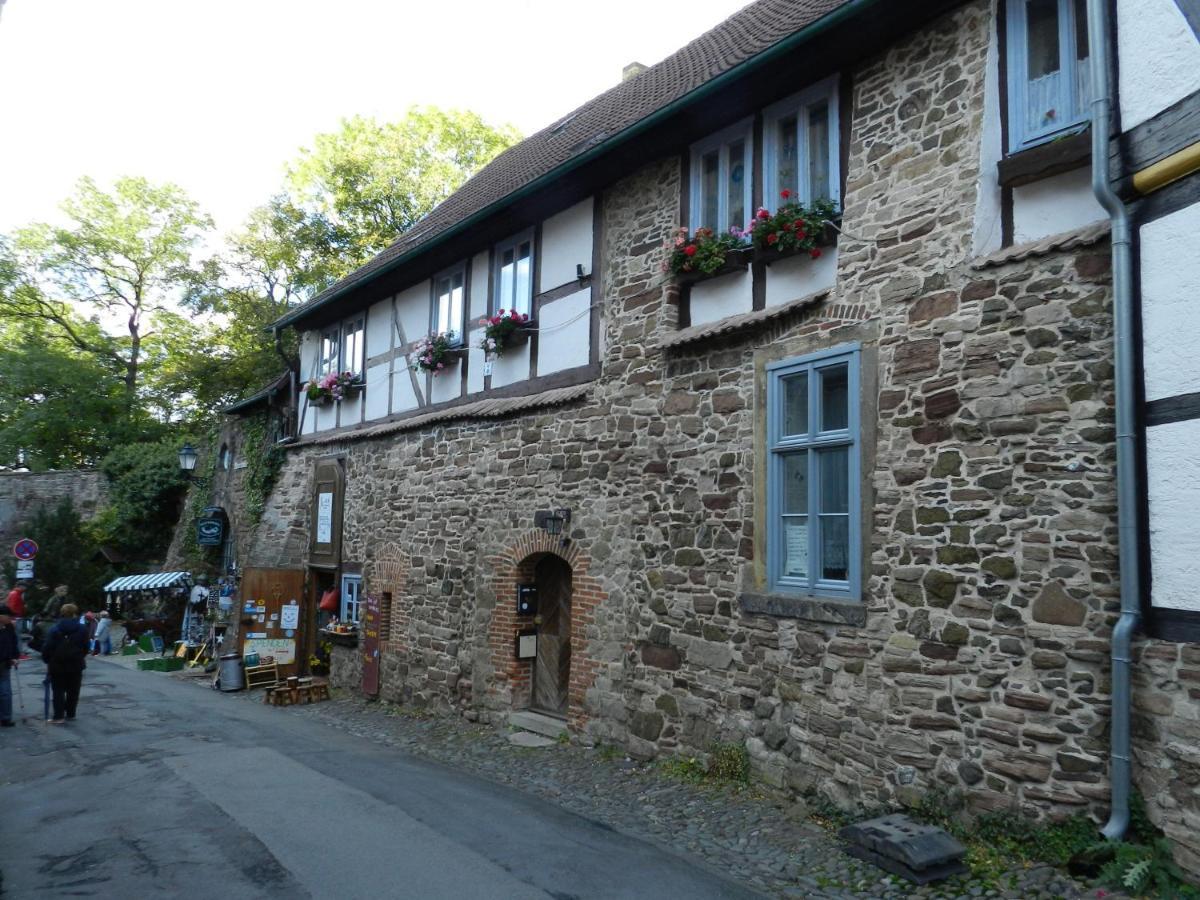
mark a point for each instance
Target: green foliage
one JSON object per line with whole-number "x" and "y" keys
{"x": 704, "y": 252}
{"x": 728, "y": 764}
{"x": 67, "y": 555}
{"x": 146, "y": 489}
{"x": 1146, "y": 869}
{"x": 685, "y": 768}
{"x": 264, "y": 460}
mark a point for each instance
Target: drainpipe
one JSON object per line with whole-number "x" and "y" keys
{"x": 1099, "y": 30}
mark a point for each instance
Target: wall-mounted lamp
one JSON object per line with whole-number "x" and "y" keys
{"x": 580, "y": 274}
{"x": 555, "y": 522}
{"x": 187, "y": 460}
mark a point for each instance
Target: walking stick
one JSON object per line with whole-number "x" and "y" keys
{"x": 46, "y": 698}
{"x": 20, "y": 693}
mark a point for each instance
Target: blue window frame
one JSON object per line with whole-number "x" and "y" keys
{"x": 813, "y": 489}
{"x": 1049, "y": 73}
{"x": 351, "y": 599}
{"x": 721, "y": 169}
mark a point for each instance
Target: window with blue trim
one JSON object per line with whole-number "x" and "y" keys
{"x": 1049, "y": 74}
{"x": 721, "y": 169}
{"x": 813, "y": 529}
{"x": 351, "y": 599}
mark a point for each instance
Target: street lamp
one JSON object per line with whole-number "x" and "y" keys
{"x": 187, "y": 459}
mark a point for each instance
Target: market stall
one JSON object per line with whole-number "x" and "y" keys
{"x": 149, "y": 602}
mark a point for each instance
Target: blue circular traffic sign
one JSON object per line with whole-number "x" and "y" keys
{"x": 25, "y": 548}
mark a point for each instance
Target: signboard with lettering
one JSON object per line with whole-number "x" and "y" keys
{"x": 325, "y": 517}
{"x": 370, "y": 645}
{"x": 282, "y": 649}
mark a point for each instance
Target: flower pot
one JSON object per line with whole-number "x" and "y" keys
{"x": 735, "y": 261}
{"x": 521, "y": 335}
{"x": 323, "y": 400}
{"x": 354, "y": 387}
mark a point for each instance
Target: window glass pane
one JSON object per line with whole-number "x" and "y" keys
{"x": 507, "y": 271}
{"x": 835, "y": 412}
{"x": 795, "y": 546}
{"x": 833, "y": 471}
{"x": 456, "y": 304}
{"x": 795, "y": 404}
{"x": 329, "y": 351}
{"x": 710, "y": 165}
{"x": 524, "y": 278}
{"x": 352, "y": 353}
{"x": 1083, "y": 68}
{"x": 795, "y": 483}
{"x": 785, "y": 158}
{"x": 737, "y": 185}
{"x": 835, "y": 548}
{"x": 818, "y": 152}
{"x": 443, "y": 305}
{"x": 1043, "y": 74}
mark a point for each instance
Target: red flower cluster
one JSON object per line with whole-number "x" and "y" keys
{"x": 793, "y": 228}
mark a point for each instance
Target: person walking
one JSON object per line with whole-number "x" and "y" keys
{"x": 9, "y": 653}
{"x": 65, "y": 653}
{"x": 101, "y": 640}
{"x": 16, "y": 602}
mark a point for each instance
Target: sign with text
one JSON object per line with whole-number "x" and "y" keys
{"x": 370, "y": 627}
{"x": 24, "y": 569}
{"x": 324, "y": 518}
{"x": 289, "y": 616}
{"x": 283, "y": 649}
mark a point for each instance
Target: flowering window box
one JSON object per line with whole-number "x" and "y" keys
{"x": 504, "y": 331}
{"x": 342, "y": 638}
{"x": 437, "y": 353}
{"x": 769, "y": 255}
{"x": 735, "y": 261}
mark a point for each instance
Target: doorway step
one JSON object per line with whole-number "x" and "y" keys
{"x": 533, "y": 729}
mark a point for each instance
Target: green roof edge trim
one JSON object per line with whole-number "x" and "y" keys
{"x": 788, "y": 43}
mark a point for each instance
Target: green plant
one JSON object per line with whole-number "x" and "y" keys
{"x": 499, "y": 329}
{"x": 1146, "y": 869}
{"x": 793, "y": 228}
{"x": 608, "y": 752}
{"x": 433, "y": 352}
{"x": 264, "y": 459}
{"x": 729, "y": 763}
{"x": 704, "y": 252}
{"x": 685, "y": 768}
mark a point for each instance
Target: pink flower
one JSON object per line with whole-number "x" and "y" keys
{"x": 762, "y": 213}
{"x": 441, "y": 365}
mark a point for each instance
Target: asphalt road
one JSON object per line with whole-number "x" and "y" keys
{"x": 163, "y": 788}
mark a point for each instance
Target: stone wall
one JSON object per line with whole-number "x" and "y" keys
{"x": 989, "y": 524}
{"x": 23, "y": 493}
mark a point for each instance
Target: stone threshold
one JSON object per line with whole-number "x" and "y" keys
{"x": 751, "y": 321}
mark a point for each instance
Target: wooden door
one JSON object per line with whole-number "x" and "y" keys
{"x": 264, "y": 594}
{"x": 552, "y": 668}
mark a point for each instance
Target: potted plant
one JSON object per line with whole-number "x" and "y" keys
{"x": 435, "y": 352}
{"x": 332, "y": 387}
{"x": 503, "y": 331}
{"x": 793, "y": 228}
{"x": 706, "y": 254}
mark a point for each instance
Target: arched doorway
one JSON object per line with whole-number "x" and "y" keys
{"x": 552, "y": 667}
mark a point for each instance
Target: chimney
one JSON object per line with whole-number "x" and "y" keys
{"x": 633, "y": 70}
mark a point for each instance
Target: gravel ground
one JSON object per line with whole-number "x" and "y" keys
{"x": 758, "y": 839}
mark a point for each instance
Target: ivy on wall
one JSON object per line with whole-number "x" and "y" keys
{"x": 264, "y": 459}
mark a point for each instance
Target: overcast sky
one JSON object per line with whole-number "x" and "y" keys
{"x": 217, "y": 95}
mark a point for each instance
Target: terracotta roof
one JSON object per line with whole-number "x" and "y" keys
{"x": 742, "y": 36}
{"x": 1066, "y": 240}
{"x": 742, "y": 322}
{"x": 481, "y": 409}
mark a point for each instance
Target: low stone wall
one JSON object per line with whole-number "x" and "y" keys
{"x": 23, "y": 493}
{"x": 345, "y": 668}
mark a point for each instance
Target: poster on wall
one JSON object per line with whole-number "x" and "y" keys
{"x": 290, "y": 616}
{"x": 796, "y": 549}
{"x": 325, "y": 518}
{"x": 283, "y": 649}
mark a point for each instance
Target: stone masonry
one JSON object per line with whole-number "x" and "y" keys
{"x": 989, "y": 510}
{"x": 21, "y": 493}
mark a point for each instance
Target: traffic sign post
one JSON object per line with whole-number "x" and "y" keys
{"x": 25, "y": 549}
{"x": 24, "y": 569}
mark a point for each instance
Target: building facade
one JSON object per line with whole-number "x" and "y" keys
{"x": 854, "y": 510}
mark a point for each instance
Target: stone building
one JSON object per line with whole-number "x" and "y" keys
{"x": 854, "y": 511}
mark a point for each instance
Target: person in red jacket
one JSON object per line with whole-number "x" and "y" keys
{"x": 16, "y": 603}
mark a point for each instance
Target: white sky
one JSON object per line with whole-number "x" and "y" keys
{"x": 216, "y": 95}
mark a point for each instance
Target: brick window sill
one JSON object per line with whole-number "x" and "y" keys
{"x": 799, "y": 606}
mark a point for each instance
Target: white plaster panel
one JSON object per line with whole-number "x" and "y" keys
{"x": 378, "y": 378}
{"x": 350, "y": 410}
{"x": 448, "y": 385}
{"x": 729, "y": 295}
{"x": 412, "y": 310}
{"x": 988, "y": 233}
{"x": 379, "y": 328}
{"x": 308, "y": 355}
{"x": 798, "y": 275}
{"x": 324, "y": 417}
{"x": 1159, "y": 58}
{"x": 1053, "y": 205}
{"x": 1173, "y": 470}
{"x": 564, "y": 333}
{"x": 404, "y": 397}
{"x": 475, "y": 368}
{"x": 1170, "y": 257}
{"x": 308, "y": 421}
{"x": 566, "y": 242}
{"x": 513, "y": 366}
{"x": 479, "y": 286}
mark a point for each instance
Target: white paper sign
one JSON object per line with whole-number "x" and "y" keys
{"x": 487, "y": 367}
{"x": 325, "y": 518}
{"x": 24, "y": 568}
{"x": 290, "y": 616}
{"x": 796, "y": 539}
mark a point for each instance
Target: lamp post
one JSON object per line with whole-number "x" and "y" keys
{"x": 187, "y": 460}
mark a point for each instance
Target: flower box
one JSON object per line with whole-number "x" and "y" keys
{"x": 521, "y": 335}
{"x": 735, "y": 261}
{"x": 342, "y": 638}
{"x": 437, "y": 352}
{"x": 354, "y": 387}
{"x": 828, "y": 239}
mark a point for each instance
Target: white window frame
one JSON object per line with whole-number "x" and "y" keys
{"x": 461, "y": 270}
{"x": 741, "y": 131}
{"x": 350, "y": 599}
{"x": 780, "y": 445}
{"x": 524, "y": 304}
{"x": 798, "y": 105}
{"x": 329, "y": 360}
{"x": 1017, "y": 48}
{"x": 350, "y": 326}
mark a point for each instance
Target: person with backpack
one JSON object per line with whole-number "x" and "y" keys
{"x": 65, "y": 654}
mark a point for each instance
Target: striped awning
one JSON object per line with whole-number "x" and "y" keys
{"x": 149, "y": 582}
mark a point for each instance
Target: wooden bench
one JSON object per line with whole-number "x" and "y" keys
{"x": 290, "y": 695}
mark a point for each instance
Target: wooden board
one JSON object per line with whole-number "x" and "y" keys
{"x": 270, "y": 590}
{"x": 552, "y": 668}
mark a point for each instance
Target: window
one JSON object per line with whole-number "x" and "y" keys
{"x": 351, "y": 600}
{"x": 329, "y": 350}
{"x": 1049, "y": 79}
{"x": 448, "y": 293}
{"x": 813, "y": 474}
{"x": 229, "y": 554}
{"x": 352, "y": 346}
{"x": 721, "y": 170}
{"x": 514, "y": 274}
{"x": 225, "y": 457}
{"x": 800, "y": 146}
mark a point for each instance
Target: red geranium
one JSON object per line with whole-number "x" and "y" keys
{"x": 690, "y": 249}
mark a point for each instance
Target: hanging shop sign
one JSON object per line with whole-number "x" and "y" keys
{"x": 210, "y": 527}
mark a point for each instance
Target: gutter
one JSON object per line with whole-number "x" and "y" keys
{"x": 1099, "y": 31}
{"x": 813, "y": 29}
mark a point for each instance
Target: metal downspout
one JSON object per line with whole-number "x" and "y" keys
{"x": 1127, "y": 449}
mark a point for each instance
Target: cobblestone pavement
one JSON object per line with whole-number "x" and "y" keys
{"x": 752, "y": 836}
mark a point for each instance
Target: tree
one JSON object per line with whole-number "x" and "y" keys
{"x": 67, "y": 554}
{"x": 123, "y": 256}
{"x": 372, "y": 181}
{"x": 145, "y": 494}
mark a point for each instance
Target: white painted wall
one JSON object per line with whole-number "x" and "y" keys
{"x": 564, "y": 333}
{"x": 799, "y": 275}
{"x": 413, "y": 311}
{"x": 729, "y": 295}
{"x": 512, "y": 367}
{"x": 379, "y": 328}
{"x": 1173, "y": 465}
{"x": 350, "y": 410}
{"x": 1170, "y": 258}
{"x": 404, "y": 395}
{"x": 566, "y": 242}
{"x": 446, "y": 386}
{"x": 1159, "y": 58}
{"x": 1054, "y": 205}
{"x": 475, "y": 369}
{"x": 988, "y": 233}
{"x": 378, "y": 379}
{"x": 478, "y": 300}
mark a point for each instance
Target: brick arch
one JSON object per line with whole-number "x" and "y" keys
{"x": 389, "y": 574}
{"x": 513, "y": 566}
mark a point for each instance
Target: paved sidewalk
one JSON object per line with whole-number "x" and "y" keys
{"x": 744, "y": 833}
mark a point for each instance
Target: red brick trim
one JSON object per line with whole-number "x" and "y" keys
{"x": 389, "y": 574}
{"x": 512, "y": 677}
